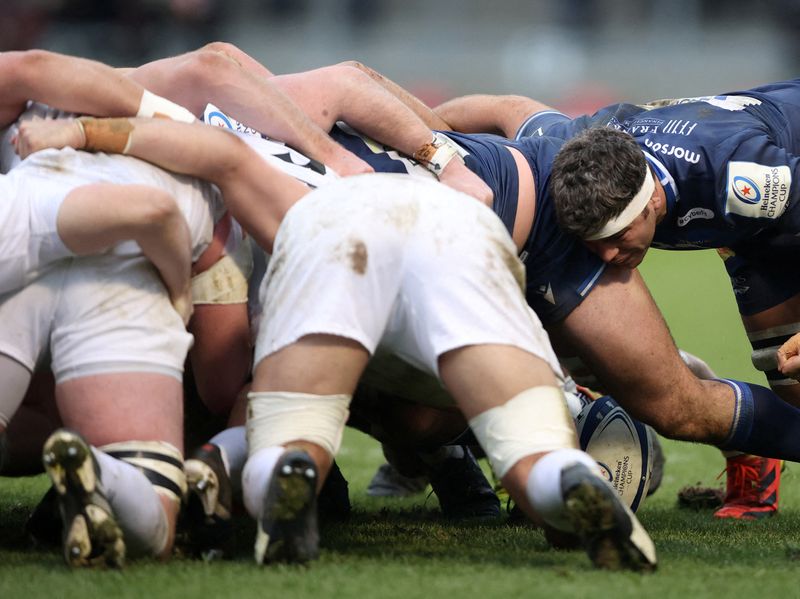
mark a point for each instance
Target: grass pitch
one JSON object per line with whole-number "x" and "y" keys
{"x": 401, "y": 548}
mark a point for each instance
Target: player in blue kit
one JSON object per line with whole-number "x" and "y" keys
{"x": 600, "y": 312}
{"x": 695, "y": 173}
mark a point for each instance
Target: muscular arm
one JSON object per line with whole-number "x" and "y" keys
{"x": 502, "y": 115}
{"x": 244, "y": 89}
{"x": 257, "y": 194}
{"x": 344, "y": 92}
{"x": 69, "y": 83}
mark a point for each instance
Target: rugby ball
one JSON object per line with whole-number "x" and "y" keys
{"x": 622, "y": 447}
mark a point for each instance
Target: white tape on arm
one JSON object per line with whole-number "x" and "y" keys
{"x": 156, "y": 106}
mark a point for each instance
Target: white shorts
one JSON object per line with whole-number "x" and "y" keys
{"x": 99, "y": 314}
{"x": 408, "y": 264}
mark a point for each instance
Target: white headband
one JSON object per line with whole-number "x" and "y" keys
{"x": 632, "y": 210}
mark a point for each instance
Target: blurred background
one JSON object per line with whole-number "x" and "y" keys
{"x": 576, "y": 54}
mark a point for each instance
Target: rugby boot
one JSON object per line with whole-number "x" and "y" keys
{"x": 91, "y": 537}
{"x": 608, "y": 530}
{"x": 287, "y": 529}
{"x": 209, "y": 501}
{"x": 751, "y": 489}
{"x": 463, "y": 490}
{"x": 388, "y": 482}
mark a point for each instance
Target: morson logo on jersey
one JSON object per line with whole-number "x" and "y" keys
{"x": 757, "y": 190}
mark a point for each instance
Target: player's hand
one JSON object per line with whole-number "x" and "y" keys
{"x": 789, "y": 357}
{"x": 346, "y": 163}
{"x": 183, "y": 305}
{"x": 459, "y": 177}
{"x": 39, "y": 134}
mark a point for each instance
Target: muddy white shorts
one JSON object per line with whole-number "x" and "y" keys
{"x": 98, "y": 314}
{"x": 408, "y": 264}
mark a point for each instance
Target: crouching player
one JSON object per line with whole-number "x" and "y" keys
{"x": 431, "y": 276}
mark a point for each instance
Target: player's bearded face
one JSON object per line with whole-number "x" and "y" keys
{"x": 628, "y": 247}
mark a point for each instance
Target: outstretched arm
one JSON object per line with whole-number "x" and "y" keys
{"x": 345, "y": 93}
{"x": 257, "y": 194}
{"x": 502, "y": 115}
{"x": 71, "y": 84}
{"x": 225, "y": 76}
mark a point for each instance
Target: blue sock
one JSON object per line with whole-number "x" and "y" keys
{"x": 763, "y": 424}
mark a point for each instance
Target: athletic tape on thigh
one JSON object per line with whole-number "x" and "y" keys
{"x": 765, "y": 347}
{"x": 223, "y": 283}
{"x": 535, "y": 421}
{"x": 278, "y": 417}
{"x": 160, "y": 462}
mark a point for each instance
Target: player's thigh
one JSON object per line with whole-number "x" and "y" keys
{"x": 114, "y": 407}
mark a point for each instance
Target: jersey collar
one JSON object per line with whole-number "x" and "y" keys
{"x": 666, "y": 180}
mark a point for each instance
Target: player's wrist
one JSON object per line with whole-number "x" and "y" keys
{"x": 437, "y": 154}
{"x": 106, "y": 135}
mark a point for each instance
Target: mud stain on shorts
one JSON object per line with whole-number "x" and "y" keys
{"x": 357, "y": 255}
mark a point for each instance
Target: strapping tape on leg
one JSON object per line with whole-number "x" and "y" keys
{"x": 160, "y": 462}
{"x": 278, "y": 417}
{"x": 765, "y": 347}
{"x": 534, "y": 421}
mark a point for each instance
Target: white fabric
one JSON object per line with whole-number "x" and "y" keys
{"x": 409, "y": 264}
{"x": 631, "y": 211}
{"x": 544, "y": 484}
{"x": 536, "y": 420}
{"x": 98, "y": 314}
{"x": 278, "y": 418}
{"x": 136, "y": 506}
{"x": 255, "y": 477}
{"x": 32, "y": 194}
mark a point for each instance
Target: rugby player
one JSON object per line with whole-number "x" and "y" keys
{"x": 697, "y": 173}
{"x": 599, "y": 312}
{"x": 328, "y": 305}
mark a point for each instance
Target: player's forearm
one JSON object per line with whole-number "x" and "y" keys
{"x": 257, "y": 194}
{"x": 482, "y": 113}
{"x": 422, "y": 110}
{"x": 343, "y": 93}
{"x": 69, "y": 83}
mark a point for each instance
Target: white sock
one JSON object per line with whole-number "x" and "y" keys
{"x": 136, "y": 505}
{"x": 232, "y": 443}
{"x": 255, "y": 476}
{"x": 544, "y": 484}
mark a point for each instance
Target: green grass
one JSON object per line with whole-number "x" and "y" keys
{"x": 400, "y": 548}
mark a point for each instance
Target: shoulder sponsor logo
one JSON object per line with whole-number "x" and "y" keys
{"x": 671, "y": 150}
{"x": 746, "y": 190}
{"x": 694, "y": 213}
{"x": 757, "y": 190}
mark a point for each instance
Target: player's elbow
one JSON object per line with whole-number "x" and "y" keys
{"x": 159, "y": 209}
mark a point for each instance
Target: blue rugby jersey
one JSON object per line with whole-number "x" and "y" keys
{"x": 560, "y": 270}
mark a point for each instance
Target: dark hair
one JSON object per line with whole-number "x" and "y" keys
{"x": 594, "y": 177}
